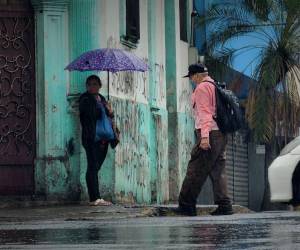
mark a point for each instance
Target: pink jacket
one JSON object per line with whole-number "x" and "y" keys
{"x": 204, "y": 106}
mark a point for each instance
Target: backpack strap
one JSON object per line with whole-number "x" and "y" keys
{"x": 212, "y": 83}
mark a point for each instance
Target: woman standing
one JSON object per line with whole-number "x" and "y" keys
{"x": 95, "y": 112}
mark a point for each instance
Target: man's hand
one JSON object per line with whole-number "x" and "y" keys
{"x": 204, "y": 144}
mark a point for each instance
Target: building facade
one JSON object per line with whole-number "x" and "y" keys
{"x": 40, "y": 146}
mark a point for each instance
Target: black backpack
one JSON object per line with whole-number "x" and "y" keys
{"x": 229, "y": 116}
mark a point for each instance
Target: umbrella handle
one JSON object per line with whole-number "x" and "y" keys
{"x": 108, "y": 85}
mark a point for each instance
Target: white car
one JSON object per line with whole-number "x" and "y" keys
{"x": 284, "y": 174}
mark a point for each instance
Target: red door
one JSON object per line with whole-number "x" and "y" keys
{"x": 17, "y": 98}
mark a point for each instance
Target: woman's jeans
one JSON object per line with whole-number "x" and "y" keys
{"x": 95, "y": 153}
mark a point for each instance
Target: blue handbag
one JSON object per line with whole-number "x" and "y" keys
{"x": 104, "y": 130}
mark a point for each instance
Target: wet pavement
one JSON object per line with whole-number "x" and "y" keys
{"x": 269, "y": 230}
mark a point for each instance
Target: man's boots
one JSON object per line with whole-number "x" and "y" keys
{"x": 223, "y": 210}
{"x": 185, "y": 211}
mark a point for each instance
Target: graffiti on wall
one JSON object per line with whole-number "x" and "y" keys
{"x": 186, "y": 140}
{"x": 184, "y": 101}
{"x": 131, "y": 157}
{"x": 132, "y": 85}
{"x": 159, "y": 84}
{"x": 129, "y": 84}
{"x": 112, "y": 42}
{"x": 162, "y": 168}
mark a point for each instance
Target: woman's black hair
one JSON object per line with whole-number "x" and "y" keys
{"x": 93, "y": 77}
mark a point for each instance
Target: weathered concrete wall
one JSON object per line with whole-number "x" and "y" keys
{"x": 54, "y": 175}
{"x": 186, "y": 126}
{"x": 157, "y": 101}
{"x": 84, "y": 35}
{"x": 60, "y": 163}
{"x": 150, "y": 161}
{"x": 137, "y": 170}
{"x": 181, "y": 124}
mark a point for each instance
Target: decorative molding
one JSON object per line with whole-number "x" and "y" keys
{"x": 17, "y": 137}
{"x": 50, "y": 5}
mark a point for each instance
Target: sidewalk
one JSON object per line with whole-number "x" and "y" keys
{"x": 85, "y": 212}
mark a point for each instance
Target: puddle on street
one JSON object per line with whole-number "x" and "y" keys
{"x": 210, "y": 236}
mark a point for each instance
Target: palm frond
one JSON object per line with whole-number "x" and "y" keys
{"x": 273, "y": 105}
{"x": 259, "y": 113}
{"x": 260, "y": 9}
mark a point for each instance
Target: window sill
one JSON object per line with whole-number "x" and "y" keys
{"x": 184, "y": 41}
{"x": 128, "y": 43}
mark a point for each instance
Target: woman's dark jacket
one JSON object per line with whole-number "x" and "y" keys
{"x": 89, "y": 115}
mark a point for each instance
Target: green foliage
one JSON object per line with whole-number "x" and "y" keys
{"x": 273, "y": 104}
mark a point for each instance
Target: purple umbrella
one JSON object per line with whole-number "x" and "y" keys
{"x": 110, "y": 60}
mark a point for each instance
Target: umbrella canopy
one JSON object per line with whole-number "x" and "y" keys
{"x": 111, "y": 60}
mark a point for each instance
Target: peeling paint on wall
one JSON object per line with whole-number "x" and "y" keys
{"x": 131, "y": 158}
{"x": 161, "y": 164}
{"x": 139, "y": 170}
{"x": 159, "y": 85}
{"x": 130, "y": 85}
{"x": 186, "y": 142}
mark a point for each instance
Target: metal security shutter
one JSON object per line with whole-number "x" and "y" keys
{"x": 237, "y": 168}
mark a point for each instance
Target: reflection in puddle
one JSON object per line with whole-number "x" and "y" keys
{"x": 206, "y": 236}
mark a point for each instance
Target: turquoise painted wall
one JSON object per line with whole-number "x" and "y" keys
{"x": 54, "y": 173}
{"x": 84, "y": 35}
{"x": 159, "y": 116}
{"x": 181, "y": 123}
{"x": 140, "y": 169}
{"x": 137, "y": 170}
{"x": 171, "y": 83}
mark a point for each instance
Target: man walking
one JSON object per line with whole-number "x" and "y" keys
{"x": 208, "y": 155}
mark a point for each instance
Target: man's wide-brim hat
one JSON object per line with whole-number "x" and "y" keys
{"x": 196, "y": 68}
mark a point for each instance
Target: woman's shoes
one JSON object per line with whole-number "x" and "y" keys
{"x": 100, "y": 202}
